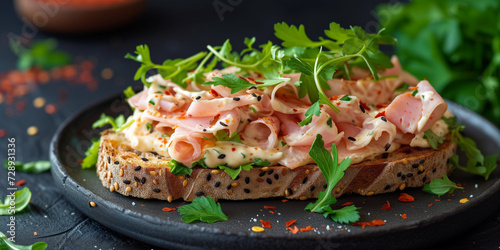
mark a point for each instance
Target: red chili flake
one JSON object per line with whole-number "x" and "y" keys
{"x": 404, "y": 216}
{"x": 381, "y": 105}
{"x": 269, "y": 207}
{"x": 233, "y": 149}
{"x": 143, "y": 205}
{"x": 294, "y": 230}
{"x": 459, "y": 184}
{"x": 413, "y": 88}
{"x": 168, "y": 209}
{"x": 243, "y": 78}
{"x": 265, "y": 223}
{"x": 366, "y": 107}
{"x": 213, "y": 93}
{"x": 404, "y": 197}
{"x": 386, "y": 206}
{"x": 21, "y": 182}
{"x": 3, "y": 133}
{"x": 79, "y": 161}
{"x": 430, "y": 205}
{"x": 284, "y": 200}
{"x": 289, "y": 223}
{"x": 323, "y": 225}
{"x": 35, "y": 233}
{"x": 371, "y": 224}
{"x": 306, "y": 229}
{"x": 438, "y": 200}
{"x": 272, "y": 212}
{"x": 347, "y": 204}
{"x": 380, "y": 114}
{"x": 50, "y": 109}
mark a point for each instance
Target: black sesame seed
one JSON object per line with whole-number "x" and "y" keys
{"x": 221, "y": 156}
{"x": 204, "y": 130}
{"x": 434, "y": 170}
{"x": 276, "y": 176}
{"x": 270, "y": 172}
{"x": 126, "y": 181}
{"x": 209, "y": 176}
{"x": 109, "y": 160}
{"x": 253, "y": 87}
{"x": 403, "y": 177}
{"x": 385, "y": 155}
{"x": 144, "y": 159}
{"x": 249, "y": 120}
{"x": 137, "y": 168}
{"x": 262, "y": 173}
{"x": 223, "y": 124}
{"x": 290, "y": 191}
{"x": 269, "y": 181}
{"x": 399, "y": 174}
{"x": 137, "y": 179}
{"x": 247, "y": 180}
{"x": 409, "y": 175}
{"x": 415, "y": 165}
{"x": 228, "y": 187}
{"x": 324, "y": 186}
{"x": 143, "y": 180}
{"x": 199, "y": 194}
{"x": 156, "y": 190}
{"x": 311, "y": 188}
{"x": 424, "y": 179}
{"x": 236, "y": 98}
{"x": 259, "y": 98}
{"x": 198, "y": 97}
{"x": 362, "y": 109}
{"x": 351, "y": 138}
{"x": 117, "y": 162}
{"x": 387, "y": 146}
{"x": 217, "y": 184}
{"x": 383, "y": 118}
{"x": 246, "y": 190}
{"x": 422, "y": 161}
{"x": 304, "y": 180}
{"x": 387, "y": 187}
{"x": 420, "y": 172}
{"x": 254, "y": 95}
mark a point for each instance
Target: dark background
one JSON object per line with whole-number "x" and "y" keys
{"x": 172, "y": 29}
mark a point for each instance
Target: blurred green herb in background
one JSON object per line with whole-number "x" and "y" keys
{"x": 455, "y": 44}
{"x": 43, "y": 54}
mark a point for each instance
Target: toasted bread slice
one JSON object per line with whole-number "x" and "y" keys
{"x": 146, "y": 175}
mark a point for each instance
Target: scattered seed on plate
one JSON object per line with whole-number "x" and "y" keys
{"x": 32, "y": 130}
{"x": 257, "y": 229}
{"x": 107, "y": 73}
{"x": 39, "y": 102}
{"x": 92, "y": 204}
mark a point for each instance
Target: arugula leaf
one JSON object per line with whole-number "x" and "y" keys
{"x": 333, "y": 172}
{"x": 91, "y": 154}
{"x": 21, "y": 200}
{"x": 6, "y": 244}
{"x": 177, "y": 168}
{"x": 296, "y": 36}
{"x": 476, "y": 162}
{"x": 441, "y": 186}
{"x": 234, "y": 172}
{"x": 433, "y": 139}
{"x": 313, "y": 110}
{"x": 237, "y": 84}
{"x": 203, "y": 209}
{"x": 43, "y": 54}
{"x": 223, "y": 135}
{"x": 29, "y": 167}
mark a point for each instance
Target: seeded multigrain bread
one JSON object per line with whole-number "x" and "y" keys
{"x": 146, "y": 175}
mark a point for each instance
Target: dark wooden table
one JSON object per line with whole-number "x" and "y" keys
{"x": 172, "y": 29}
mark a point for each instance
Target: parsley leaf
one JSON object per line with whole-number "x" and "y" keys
{"x": 313, "y": 110}
{"x": 345, "y": 98}
{"x": 91, "y": 154}
{"x": 441, "y": 186}
{"x": 234, "y": 172}
{"x": 236, "y": 84}
{"x": 203, "y": 209}
{"x": 43, "y": 54}
{"x": 433, "y": 139}
{"x": 21, "y": 198}
{"x": 29, "y": 167}
{"x": 6, "y": 244}
{"x": 333, "y": 172}
{"x": 177, "y": 168}
{"x": 223, "y": 135}
{"x": 259, "y": 163}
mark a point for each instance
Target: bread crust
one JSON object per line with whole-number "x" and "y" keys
{"x": 146, "y": 175}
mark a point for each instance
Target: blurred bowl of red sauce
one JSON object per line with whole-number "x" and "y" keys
{"x": 79, "y": 16}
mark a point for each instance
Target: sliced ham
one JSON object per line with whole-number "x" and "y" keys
{"x": 262, "y": 133}
{"x": 294, "y": 157}
{"x": 285, "y": 99}
{"x": 415, "y": 114}
{"x": 184, "y": 146}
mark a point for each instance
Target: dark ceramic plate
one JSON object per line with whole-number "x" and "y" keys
{"x": 428, "y": 221}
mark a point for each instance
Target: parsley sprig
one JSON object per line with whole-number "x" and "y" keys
{"x": 333, "y": 172}
{"x": 441, "y": 186}
{"x": 203, "y": 209}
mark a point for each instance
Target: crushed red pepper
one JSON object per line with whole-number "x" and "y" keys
{"x": 265, "y": 223}
{"x": 347, "y": 204}
{"x": 306, "y": 229}
{"x": 386, "y": 206}
{"x": 168, "y": 209}
{"x": 404, "y": 216}
{"x": 371, "y": 224}
{"x": 269, "y": 207}
{"x": 20, "y": 182}
{"x": 289, "y": 223}
{"x": 293, "y": 229}
{"x": 404, "y": 197}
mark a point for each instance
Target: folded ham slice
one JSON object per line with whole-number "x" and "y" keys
{"x": 185, "y": 146}
{"x": 262, "y": 133}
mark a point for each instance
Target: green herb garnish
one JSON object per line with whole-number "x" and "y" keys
{"x": 177, "y": 168}
{"x": 333, "y": 172}
{"x": 6, "y": 244}
{"x": 43, "y": 54}
{"x": 345, "y": 98}
{"x": 223, "y": 135}
{"x": 441, "y": 186}
{"x": 203, "y": 209}
{"x": 433, "y": 139}
{"x": 21, "y": 200}
{"x": 29, "y": 167}
{"x": 234, "y": 172}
